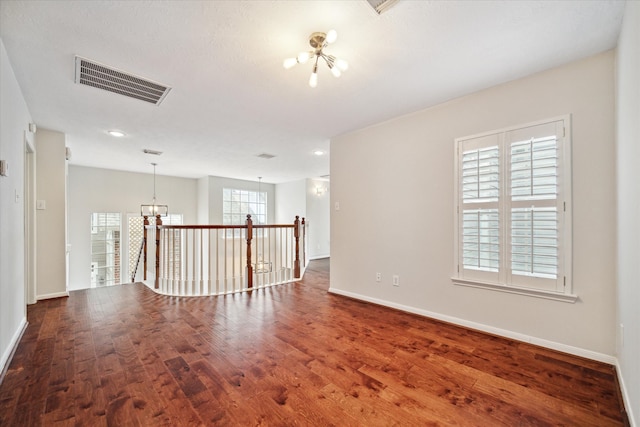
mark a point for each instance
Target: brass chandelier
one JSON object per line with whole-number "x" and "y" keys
{"x": 154, "y": 209}
{"x": 318, "y": 42}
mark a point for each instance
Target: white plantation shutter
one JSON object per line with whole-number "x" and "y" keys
{"x": 534, "y": 242}
{"x": 512, "y": 192}
{"x": 481, "y": 175}
{"x": 479, "y": 239}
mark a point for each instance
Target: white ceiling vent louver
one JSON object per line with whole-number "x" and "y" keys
{"x": 100, "y": 76}
{"x": 381, "y": 5}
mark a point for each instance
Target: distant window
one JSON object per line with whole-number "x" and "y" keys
{"x": 237, "y": 204}
{"x": 105, "y": 249}
{"x": 513, "y": 188}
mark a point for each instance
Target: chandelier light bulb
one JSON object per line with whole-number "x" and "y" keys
{"x": 313, "y": 80}
{"x": 336, "y": 71}
{"x": 332, "y": 36}
{"x": 342, "y": 64}
{"x": 303, "y": 57}
{"x": 289, "y": 62}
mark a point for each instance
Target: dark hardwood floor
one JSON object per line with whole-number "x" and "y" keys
{"x": 288, "y": 355}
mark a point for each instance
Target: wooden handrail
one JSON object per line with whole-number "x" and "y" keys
{"x": 223, "y": 227}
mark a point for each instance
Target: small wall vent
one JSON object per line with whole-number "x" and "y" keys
{"x": 266, "y": 156}
{"x": 100, "y": 76}
{"x": 381, "y": 5}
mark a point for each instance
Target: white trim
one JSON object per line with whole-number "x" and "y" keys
{"x": 11, "y": 348}
{"x": 625, "y": 396}
{"x": 315, "y": 257}
{"x": 53, "y": 295}
{"x": 576, "y": 351}
{"x": 538, "y": 293}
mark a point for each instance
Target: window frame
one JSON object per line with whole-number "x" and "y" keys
{"x": 503, "y": 280}
{"x": 257, "y": 218}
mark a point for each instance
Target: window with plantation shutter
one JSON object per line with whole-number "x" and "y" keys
{"x": 512, "y": 207}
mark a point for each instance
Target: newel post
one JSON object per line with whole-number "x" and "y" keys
{"x": 158, "y": 225}
{"x": 249, "y": 238}
{"x": 144, "y": 239}
{"x": 296, "y": 234}
{"x": 304, "y": 243}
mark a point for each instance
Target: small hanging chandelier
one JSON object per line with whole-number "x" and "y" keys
{"x": 154, "y": 209}
{"x": 318, "y": 42}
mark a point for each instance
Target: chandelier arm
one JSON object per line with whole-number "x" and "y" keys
{"x": 329, "y": 59}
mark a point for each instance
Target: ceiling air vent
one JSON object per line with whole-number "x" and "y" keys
{"x": 381, "y": 5}
{"x": 266, "y": 156}
{"x": 102, "y": 77}
{"x": 149, "y": 151}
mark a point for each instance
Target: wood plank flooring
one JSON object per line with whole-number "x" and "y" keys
{"x": 291, "y": 355}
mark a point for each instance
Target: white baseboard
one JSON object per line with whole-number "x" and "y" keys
{"x": 315, "y": 257}
{"x": 600, "y": 357}
{"x": 625, "y": 396}
{"x": 11, "y": 348}
{"x": 53, "y": 295}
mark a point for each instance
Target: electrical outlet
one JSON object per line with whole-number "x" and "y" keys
{"x": 378, "y": 277}
{"x": 396, "y": 280}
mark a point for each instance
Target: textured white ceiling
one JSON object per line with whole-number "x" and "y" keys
{"x": 232, "y": 100}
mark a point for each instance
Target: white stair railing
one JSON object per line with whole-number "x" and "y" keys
{"x": 198, "y": 260}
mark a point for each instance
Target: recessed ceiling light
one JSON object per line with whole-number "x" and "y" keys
{"x": 116, "y": 133}
{"x": 319, "y": 153}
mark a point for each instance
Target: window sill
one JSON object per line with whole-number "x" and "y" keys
{"x": 538, "y": 293}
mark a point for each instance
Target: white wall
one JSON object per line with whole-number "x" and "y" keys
{"x": 103, "y": 190}
{"x": 51, "y": 234}
{"x": 317, "y": 219}
{"x": 628, "y": 156}
{"x": 396, "y": 213}
{"x": 203, "y": 200}
{"x": 14, "y": 120}
{"x": 290, "y": 201}
{"x": 300, "y": 198}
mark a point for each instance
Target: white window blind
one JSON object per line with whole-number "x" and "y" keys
{"x": 512, "y": 190}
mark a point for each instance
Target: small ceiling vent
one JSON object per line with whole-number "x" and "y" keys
{"x": 381, "y": 5}
{"x": 102, "y": 77}
{"x": 266, "y": 156}
{"x": 149, "y": 151}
